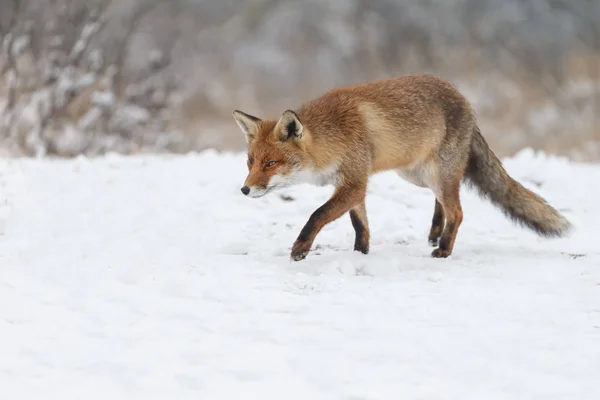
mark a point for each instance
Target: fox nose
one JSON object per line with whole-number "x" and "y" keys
{"x": 245, "y": 190}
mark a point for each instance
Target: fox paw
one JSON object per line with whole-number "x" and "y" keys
{"x": 362, "y": 246}
{"x": 300, "y": 250}
{"x": 440, "y": 253}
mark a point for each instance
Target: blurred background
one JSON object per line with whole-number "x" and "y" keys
{"x": 131, "y": 76}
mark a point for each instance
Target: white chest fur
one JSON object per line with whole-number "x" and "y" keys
{"x": 318, "y": 177}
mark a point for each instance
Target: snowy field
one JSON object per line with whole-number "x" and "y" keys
{"x": 155, "y": 278}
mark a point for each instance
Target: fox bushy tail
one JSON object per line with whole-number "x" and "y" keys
{"x": 486, "y": 173}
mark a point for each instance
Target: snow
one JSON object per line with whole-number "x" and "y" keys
{"x": 153, "y": 277}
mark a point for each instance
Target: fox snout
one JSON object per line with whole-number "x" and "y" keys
{"x": 254, "y": 191}
{"x": 255, "y": 188}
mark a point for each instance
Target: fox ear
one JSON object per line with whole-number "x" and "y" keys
{"x": 289, "y": 126}
{"x": 247, "y": 123}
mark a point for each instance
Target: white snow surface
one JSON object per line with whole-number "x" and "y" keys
{"x": 153, "y": 277}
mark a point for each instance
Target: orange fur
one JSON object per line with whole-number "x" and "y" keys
{"x": 419, "y": 125}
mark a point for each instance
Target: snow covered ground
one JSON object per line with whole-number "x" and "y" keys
{"x": 154, "y": 278}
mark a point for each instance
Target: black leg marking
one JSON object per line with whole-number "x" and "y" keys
{"x": 446, "y": 239}
{"x": 437, "y": 224}
{"x": 361, "y": 242}
{"x": 311, "y": 224}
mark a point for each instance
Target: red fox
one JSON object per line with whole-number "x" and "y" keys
{"x": 419, "y": 125}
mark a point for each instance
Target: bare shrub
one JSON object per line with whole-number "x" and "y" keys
{"x": 86, "y": 77}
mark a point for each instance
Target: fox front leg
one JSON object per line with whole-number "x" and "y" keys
{"x": 343, "y": 199}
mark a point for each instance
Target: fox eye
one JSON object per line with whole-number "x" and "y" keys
{"x": 271, "y": 163}
{"x": 250, "y": 160}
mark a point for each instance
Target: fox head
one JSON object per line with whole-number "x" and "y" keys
{"x": 275, "y": 151}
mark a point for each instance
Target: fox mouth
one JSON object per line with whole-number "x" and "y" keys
{"x": 276, "y": 182}
{"x": 256, "y": 193}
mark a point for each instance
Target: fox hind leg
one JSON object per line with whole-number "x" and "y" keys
{"x": 360, "y": 222}
{"x": 450, "y": 202}
{"x": 437, "y": 224}
{"x": 451, "y": 161}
